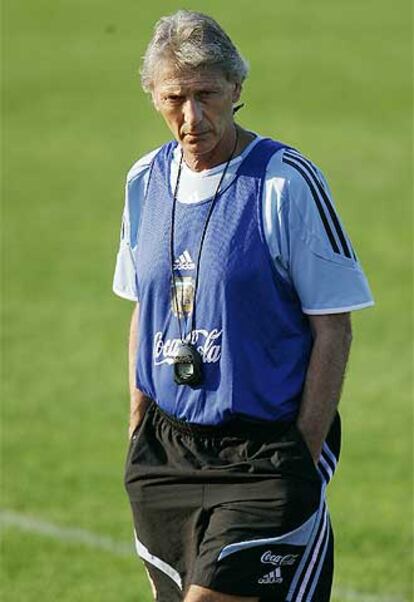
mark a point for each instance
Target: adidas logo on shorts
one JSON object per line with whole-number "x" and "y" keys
{"x": 184, "y": 262}
{"x": 272, "y": 577}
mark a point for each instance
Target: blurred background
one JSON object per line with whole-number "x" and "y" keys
{"x": 331, "y": 78}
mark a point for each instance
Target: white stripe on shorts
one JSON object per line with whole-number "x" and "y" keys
{"x": 333, "y": 459}
{"x": 326, "y": 466}
{"x": 297, "y": 537}
{"x": 321, "y": 561}
{"x": 165, "y": 568}
{"x": 308, "y": 550}
{"x": 314, "y": 558}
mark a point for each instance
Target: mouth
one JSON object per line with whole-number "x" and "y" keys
{"x": 195, "y": 135}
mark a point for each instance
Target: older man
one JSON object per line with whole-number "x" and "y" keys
{"x": 244, "y": 280}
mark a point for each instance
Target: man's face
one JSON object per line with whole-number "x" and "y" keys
{"x": 197, "y": 106}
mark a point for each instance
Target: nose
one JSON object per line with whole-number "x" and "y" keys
{"x": 193, "y": 113}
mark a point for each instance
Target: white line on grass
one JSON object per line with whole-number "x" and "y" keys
{"x": 8, "y": 518}
{"x": 66, "y": 534}
{"x": 349, "y": 595}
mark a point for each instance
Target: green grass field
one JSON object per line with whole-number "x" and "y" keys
{"x": 330, "y": 78}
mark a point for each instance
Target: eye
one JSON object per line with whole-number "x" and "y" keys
{"x": 206, "y": 94}
{"x": 173, "y": 99}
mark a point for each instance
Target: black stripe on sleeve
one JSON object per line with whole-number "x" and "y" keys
{"x": 294, "y": 154}
{"x": 317, "y": 200}
{"x": 328, "y": 204}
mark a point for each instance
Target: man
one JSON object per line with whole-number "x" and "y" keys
{"x": 244, "y": 280}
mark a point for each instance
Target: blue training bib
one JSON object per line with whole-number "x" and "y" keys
{"x": 254, "y": 340}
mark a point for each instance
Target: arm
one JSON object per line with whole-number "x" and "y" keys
{"x": 138, "y": 401}
{"x": 332, "y": 341}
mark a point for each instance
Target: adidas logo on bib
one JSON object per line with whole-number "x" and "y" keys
{"x": 184, "y": 262}
{"x": 272, "y": 577}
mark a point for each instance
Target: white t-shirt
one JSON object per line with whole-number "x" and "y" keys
{"x": 306, "y": 239}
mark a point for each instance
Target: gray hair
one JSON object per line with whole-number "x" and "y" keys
{"x": 191, "y": 40}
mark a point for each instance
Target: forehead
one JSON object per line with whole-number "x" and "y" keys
{"x": 168, "y": 77}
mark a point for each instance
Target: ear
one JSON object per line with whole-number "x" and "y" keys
{"x": 154, "y": 100}
{"x": 236, "y": 92}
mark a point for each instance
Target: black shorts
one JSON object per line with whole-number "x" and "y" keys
{"x": 238, "y": 508}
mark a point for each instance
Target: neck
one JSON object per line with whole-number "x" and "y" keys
{"x": 221, "y": 153}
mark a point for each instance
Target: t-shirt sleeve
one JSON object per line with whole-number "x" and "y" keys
{"x": 124, "y": 283}
{"x": 314, "y": 249}
{"x": 125, "y": 276}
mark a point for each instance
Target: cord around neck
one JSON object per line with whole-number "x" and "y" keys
{"x": 210, "y": 211}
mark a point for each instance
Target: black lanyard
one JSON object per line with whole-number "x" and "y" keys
{"x": 201, "y": 240}
{"x": 188, "y": 363}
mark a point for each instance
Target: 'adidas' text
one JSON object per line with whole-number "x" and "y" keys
{"x": 272, "y": 577}
{"x": 184, "y": 262}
